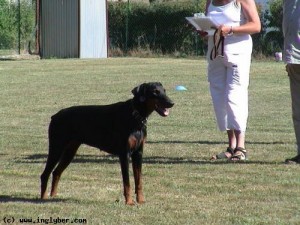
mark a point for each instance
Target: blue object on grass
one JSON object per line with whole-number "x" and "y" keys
{"x": 180, "y": 88}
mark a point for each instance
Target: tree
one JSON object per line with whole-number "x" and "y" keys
{"x": 273, "y": 40}
{"x": 7, "y": 28}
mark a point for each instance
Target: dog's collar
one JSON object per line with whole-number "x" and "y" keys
{"x": 139, "y": 118}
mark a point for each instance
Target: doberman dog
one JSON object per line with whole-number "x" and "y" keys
{"x": 119, "y": 129}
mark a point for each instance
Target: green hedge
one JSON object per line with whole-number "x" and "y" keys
{"x": 161, "y": 27}
{"x": 7, "y": 29}
{"x": 158, "y": 27}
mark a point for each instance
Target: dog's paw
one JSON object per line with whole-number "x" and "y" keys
{"x": 130, "y": 202}
{"x": 140, "y": 199}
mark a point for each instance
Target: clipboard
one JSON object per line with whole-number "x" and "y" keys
{"x": 204, "y": 23}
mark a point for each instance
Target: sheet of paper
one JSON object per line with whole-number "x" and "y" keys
{"x": 202, "y": 23}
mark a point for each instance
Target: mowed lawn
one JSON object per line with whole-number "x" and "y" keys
{"x": 181, "y": 184}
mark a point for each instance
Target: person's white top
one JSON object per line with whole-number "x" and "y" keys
{"x": 230, "y": 15}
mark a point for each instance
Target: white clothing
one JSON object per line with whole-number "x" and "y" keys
{"x": 230, "y": 15}
{"x": 229, "y": 81}
{"x": 229, "y": 75}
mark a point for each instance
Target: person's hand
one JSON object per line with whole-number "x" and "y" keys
{"x": 202, "y": 33}
{"x": 225, "y": 30}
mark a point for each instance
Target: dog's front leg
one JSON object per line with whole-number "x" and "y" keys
{"x": 137, "y": 158}
{"x": 124, "y": 161}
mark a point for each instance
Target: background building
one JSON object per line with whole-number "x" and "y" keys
{"x": 72, "y": 28}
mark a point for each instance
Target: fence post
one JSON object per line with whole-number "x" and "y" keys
{"x": 37, "y": 27}
{"x": 19, "y": 27}
{"x": 127, "y": 32}
{"x": 196, "y": 34}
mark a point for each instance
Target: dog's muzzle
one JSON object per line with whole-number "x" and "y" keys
{"x": 164, "y": 109}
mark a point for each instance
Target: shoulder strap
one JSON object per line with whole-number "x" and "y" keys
{"x": 237, "y": 4}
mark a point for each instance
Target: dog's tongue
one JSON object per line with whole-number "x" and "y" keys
{"x": 166, "y": 111}
{"x": 162, "y": 111}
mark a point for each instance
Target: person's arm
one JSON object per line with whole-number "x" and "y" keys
{"x": 203, "y": 33}
{"x": 252, "y": 25}
{"x": 206, "y": 6}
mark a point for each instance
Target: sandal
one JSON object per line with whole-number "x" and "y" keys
{"x": 240, "y": 154}
{"x": 294, "y": 160}
{"x": 224, "y": 155}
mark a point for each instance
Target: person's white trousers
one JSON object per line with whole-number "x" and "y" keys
{"x": 229, "y": 80}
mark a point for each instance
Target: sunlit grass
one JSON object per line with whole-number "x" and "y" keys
{"x": 181, "y": 185}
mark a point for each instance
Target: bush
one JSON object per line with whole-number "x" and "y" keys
{"x": 159, "y": 27}
{"x": 7, "y": 28}
{"x": 273, "y": 38}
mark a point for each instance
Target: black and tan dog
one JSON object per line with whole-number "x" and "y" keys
{"x": 119, "y": 129}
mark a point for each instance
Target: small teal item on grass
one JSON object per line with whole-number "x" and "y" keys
{"x": 180, "y": 88}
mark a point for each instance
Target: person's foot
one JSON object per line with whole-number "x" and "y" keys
{"x": 240, "y": 154}
{"x": 294, "y": 160}
{"x": 224, "y": 155}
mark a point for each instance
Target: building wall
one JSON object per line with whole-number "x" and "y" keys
{"x": 59, "y": 28}
{"x": 73, "y": 29}
{"x": 93, "y": 27}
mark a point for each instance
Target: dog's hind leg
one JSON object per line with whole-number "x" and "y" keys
{"x": 55, "y": 152}
{"x": 67, "y": 157}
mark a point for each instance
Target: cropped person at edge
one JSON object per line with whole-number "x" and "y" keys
{"x": 291, "y": 55}
{"x": 228, "y": 70}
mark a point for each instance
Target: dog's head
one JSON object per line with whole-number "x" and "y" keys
{"x": 153, "y": 96}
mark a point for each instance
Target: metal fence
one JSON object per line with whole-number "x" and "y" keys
{"x": 17, "y": 22}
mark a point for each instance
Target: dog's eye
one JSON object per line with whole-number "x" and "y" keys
{"x": 156, "y": 92}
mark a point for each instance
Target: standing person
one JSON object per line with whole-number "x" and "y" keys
{"x": 291, "y": 55}
{"x": 229, "y": 59}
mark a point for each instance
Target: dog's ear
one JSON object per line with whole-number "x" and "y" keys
{"x": 135, "y": 90}
{"x": 139, "y": 92}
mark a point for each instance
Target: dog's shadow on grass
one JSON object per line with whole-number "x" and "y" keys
{"x": 109, "y": 159}
{"x": 9, "y": 199}
{"x": 214, "y": 142}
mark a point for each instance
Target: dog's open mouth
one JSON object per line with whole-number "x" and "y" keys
{"x": 162, "y": 110}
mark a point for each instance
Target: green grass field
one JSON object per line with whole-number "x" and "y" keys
{"x": 181, "y": 184}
